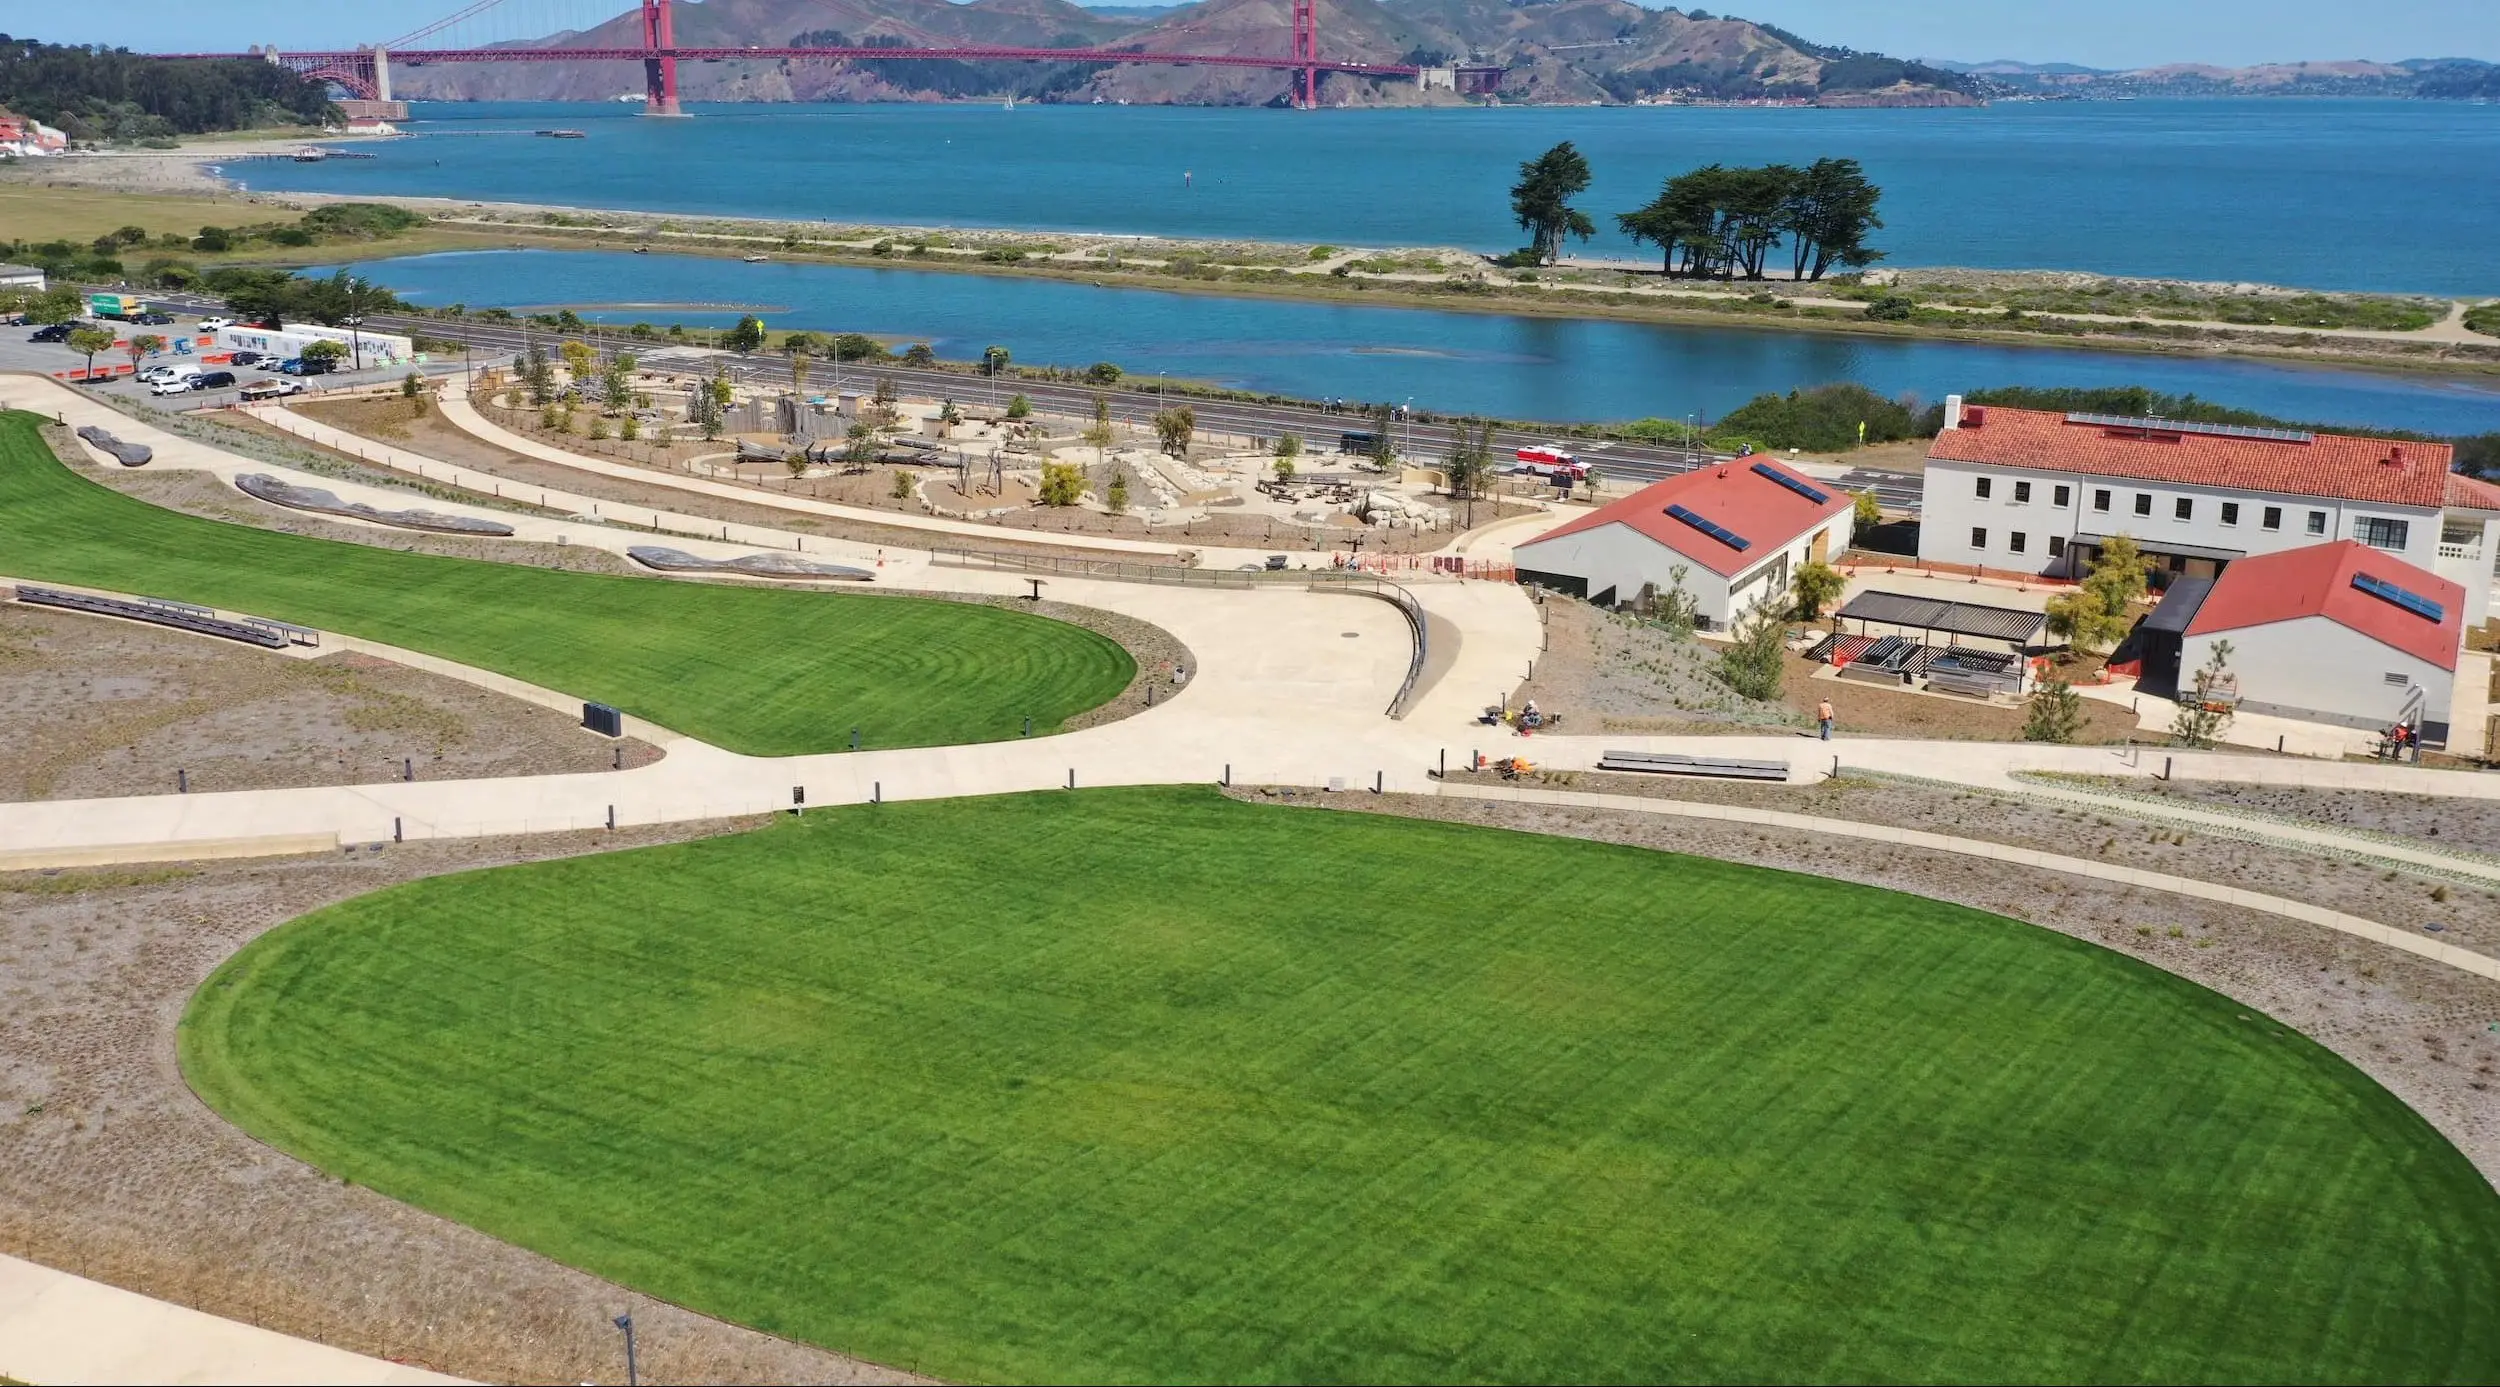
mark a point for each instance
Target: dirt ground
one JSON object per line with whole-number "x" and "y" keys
{"x": 1611, "y": 673}
{"x": 2429, "y": 1033}
{"x": 118, "y": 1173}
{"x": 104, "y": 707}
{"x": 2458, "y": 823}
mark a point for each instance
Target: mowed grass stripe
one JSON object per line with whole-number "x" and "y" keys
{"x": 759, "y": 671}
{"x": 1151, "y": 1085}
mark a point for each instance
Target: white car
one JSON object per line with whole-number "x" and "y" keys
{"x": 179, "y": 385}
{"x": 215, "y": 324}
{"x": 156, "y": 374}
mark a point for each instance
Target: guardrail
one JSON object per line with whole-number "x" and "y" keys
{"x": 182, "y": 616}
{"x": 1364, "y": 585}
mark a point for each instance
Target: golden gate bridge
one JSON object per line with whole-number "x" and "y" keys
{"x": 365, "y": 72}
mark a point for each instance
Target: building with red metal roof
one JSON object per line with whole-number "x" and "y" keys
{"x": 1737, "y": 530}
{"x": 2338, "y": 632}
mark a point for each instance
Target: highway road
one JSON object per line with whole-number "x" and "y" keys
{"x": 1622, "y": 464}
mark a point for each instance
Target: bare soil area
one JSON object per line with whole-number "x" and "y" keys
{"x": 1615, "y": 673}
{"x": 2472, "y": 824}
{"x": 103, "y": 708}
{"x": 2429, "y": 1033}
{"x": 117, "y": 1172}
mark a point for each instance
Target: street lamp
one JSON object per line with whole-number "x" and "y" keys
{"x": 633, "y": 1375}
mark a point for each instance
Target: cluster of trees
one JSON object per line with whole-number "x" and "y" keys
{"x": 274, "y": 298}
{"x": 1718, "y": 222}
{"x": 1825, "y": 419}
{"x": 1714, "y": 222}
{"x": 108, "y": 257}
{"x": 101, "y": 94}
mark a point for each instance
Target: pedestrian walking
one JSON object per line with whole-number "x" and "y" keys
{"x": 1823, "y": 715}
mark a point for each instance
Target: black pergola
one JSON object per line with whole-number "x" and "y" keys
{"x": 2012, "y": 625}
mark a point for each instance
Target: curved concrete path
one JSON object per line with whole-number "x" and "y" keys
{"x": 59, "y": 1328}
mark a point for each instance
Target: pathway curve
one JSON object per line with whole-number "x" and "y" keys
{"x": 59, "y": 1328}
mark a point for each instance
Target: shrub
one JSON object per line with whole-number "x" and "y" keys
{"x": 1062, "y": 483}
{"x": 1019, "y": 407}
{"x": 2054, "y": 713}
{"x": 1891, "y": 308}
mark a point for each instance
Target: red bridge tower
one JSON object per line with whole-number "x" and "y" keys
{"x": 1306, "y": 51}
{"x": 659, "y": 65}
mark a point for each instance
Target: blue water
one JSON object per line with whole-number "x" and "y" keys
{"x": 1513, "y": 367}
{"x": 2373, "y": 195}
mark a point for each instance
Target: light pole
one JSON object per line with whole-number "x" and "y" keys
{"x": 1407, "y": 416}
{"x": 1692, "y": 426}
{"x": 633, "y": 1374}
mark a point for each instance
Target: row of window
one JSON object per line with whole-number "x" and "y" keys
{"x": 2017, "y": 542}
{"x": 2376, "y": 532}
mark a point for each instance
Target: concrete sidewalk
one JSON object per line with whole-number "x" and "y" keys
{"x": 56, "y": 1328}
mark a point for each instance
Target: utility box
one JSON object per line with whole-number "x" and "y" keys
{"x": 602, "y": 719}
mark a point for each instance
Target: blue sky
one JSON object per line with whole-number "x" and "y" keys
{"x": 2098, "y": 33}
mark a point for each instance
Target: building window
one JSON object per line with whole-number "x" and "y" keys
{"x": 2100, "y": 498}
{"x": 2385, "y": 534}
{"x": 2061, "y": 496}
{"x": 1978, "y": 537}
{"x": 2183, "y": 509}
{"x": 2398, "y": 681}
{"x": 2274, "y": 517}
{"x": 2022, "y": 493}
{"x": 2230, "y": 512}
{"x": 2057, "y": 546}
{"x": 2144, "y": 503}
{"x": 2016, "y": 541}
{"x": 2317, "y": 522}
{"x": 1984, "y": 484}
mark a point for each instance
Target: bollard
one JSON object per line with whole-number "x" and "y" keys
{"x": 2278, "y": 744}
{"x": 1227, "y": 781}
{"x": 1445, "y": 763}
{"x": 611, "y": 818}
{"x": 2165, "y": 768}
{"x": 798, "y": 799}
{"x": 1150, "y": 693}
{"x": 1380, "y": 781}
{"x": 182, "y": 781}
{"x": 619, "y": 748}
{"x": 876, "y": 792}
{"x": 1835, "y": 768}
{"x": 854, "y": 739}
{"x": 1071, "y": 777}
{"x": 396, "y": 830}
{"x": 1028, "y": 727}
{"x": 407, "y": 768}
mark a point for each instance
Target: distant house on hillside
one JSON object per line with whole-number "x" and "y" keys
{"x": 1738, "y": 529}
{"x": 27, "y": 138}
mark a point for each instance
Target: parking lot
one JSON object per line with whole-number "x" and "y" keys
{"x": 44, "y": 358}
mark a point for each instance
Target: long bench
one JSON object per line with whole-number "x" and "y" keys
{"x": 180, "y": 616}
{"x": 1672, "y": 763}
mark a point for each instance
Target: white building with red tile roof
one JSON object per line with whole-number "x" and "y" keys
{"x": 2035, "y": 492}
{"x": 2339, "y": 633}
{"x": 1736, "y": 530}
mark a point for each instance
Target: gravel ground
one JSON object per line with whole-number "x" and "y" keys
{"x": 1613, "y": 673}
{"x": 117, "y": 1172}
{"x": 104, "y": 708}
{"x": 2429, "y": 1033}
{"x": 2468, "y": 916}
{"x": 2456, "y": 823}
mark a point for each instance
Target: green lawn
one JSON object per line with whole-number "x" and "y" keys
{"x": 766, "y": 672}
{"x": 1148, "y": 1085}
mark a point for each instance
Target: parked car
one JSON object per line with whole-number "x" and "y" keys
{"x": 247, "y": 358}
{"x": 215, "y": 324}
{"x": 53, "y": 332}
{"x": 154, "y": 320}
{"x": 179, "y": 385}
{"x": 298, "y": 366}
{"x": 213, "y": 380}
{"x": 157, "y": 375}
{"x": 272, "y": 389}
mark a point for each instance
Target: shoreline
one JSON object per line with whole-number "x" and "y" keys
{"x": 1440, "y": 278}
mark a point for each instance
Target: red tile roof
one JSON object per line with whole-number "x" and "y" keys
{"x": 2330, "y": 464}
{"x": 1730, "y": 495}
{"x": 2317, "y": 581}
{"x": 2471, "y": 493}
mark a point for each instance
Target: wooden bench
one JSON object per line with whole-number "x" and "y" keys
{"x": 1671, "y": 763}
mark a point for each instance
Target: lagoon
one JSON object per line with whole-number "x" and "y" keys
{"x": 1508, "y": 365}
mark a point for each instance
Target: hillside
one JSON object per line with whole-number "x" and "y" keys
{"x": 1557, "y": 51}
{"x": 2424, "y": 78}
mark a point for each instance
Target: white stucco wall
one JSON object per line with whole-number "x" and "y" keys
{"x": 2314, "y": 665}
{"x": 1953, "y": 508}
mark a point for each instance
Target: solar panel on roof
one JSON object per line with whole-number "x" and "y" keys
{"x": 2149, "y": 425}
{"x": 2413, "y": 602}
{"x": 1716, "y": 531}
{"x": 1764, "y": 469}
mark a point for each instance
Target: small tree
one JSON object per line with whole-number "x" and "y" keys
{"x": 2203, "y": 714}
{"x": 412, "y": 389}
{"x": 1866, "y": 511}
{"x": 994, "y": 359}
{"x": 538, "y": 375}
{"x": 1099, "y": 434}
{"x": 1062, "y": 483}
{"x": 1288, "y": 446}
{"x": 325, "y": 354}
{"x": 2094, "y": 616}
{"x": 579, "y": 362}
{"x": 1676, "y": 610}
{"x": 1384, "y": 446}
{"x": 1541, "y": 201}
{"x": 1816, "y": 586}
{"x": 2054, "y": 713}
{"x": 746, "y": 337}
{"x": 903, "y": 484}
{"x": 1758, "y": 660}
{"x": 800, "y": 361}
{"x": 143, "y": 346}
{"x": 863, "y": 446}
{"x": 794, "y": 462}
{"x": 1019, "y": 407}
{"x": 1175, "y": 427}
{"x": 886, "y": 392}
{"x": 919, "y": 356}
{"x": 1285, "y": 469}
{"x": 1102, "y": 373}
{"x": 87, "y": 341}
{"x": 1116, "y": 496}
{"x": 631, "y": 429}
